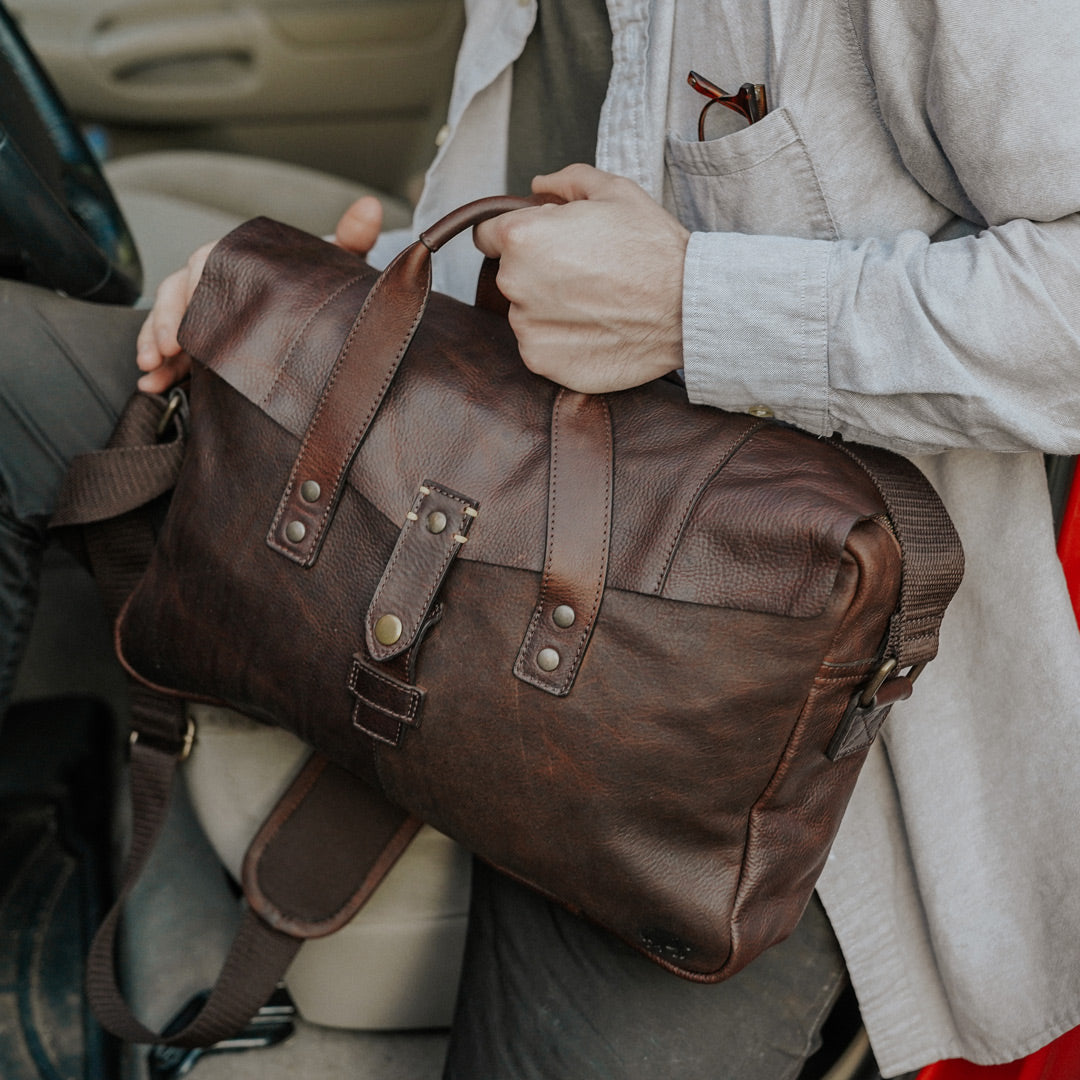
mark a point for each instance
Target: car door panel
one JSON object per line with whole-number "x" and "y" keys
{"x": 356, "y": 87}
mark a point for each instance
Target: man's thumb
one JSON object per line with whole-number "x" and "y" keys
{"x": 360, "y": 225}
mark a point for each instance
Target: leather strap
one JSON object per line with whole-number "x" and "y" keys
{"x": 358, "y": 381}
{"x": 354, "y": 389}
{"x": 578, "y": 543}
{"x": 310, "y": 868}
{"x": 435, "y": 528}
{"x": 102, "y": 494}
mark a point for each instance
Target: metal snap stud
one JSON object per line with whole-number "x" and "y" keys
{"x": 547, "y": 659}
{"x": 310, "y": 491}
{"x": 563, "y": 616}
{"x": 295, "y": 532}
{"x": 436, "y": 522}
{"x": 388, "y": 630}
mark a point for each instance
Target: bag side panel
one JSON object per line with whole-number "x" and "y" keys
{"x": 793, "y": 825}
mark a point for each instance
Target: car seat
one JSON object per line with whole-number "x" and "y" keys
{"x": 175, "y": 200}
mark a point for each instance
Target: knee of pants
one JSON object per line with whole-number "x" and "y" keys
{"x": 66, "y": 369}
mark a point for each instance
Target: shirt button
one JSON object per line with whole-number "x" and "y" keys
{"x": 762, "y": 411}
{"x": 442, "y": 135}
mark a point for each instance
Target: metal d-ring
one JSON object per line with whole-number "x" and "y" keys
{"x": 175, "y": 408}
{"x": 877, "y": 680}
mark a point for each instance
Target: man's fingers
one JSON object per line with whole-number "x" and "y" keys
{"x": 494, "y": 236}
{"x": 167, "y": 374}
{"x": 488, "y": 237}
{"x": 573, "y": 183}
{"x": 157, "y": 349}
{"x": 360, "y": 225}
{"x": 157, "y": 336}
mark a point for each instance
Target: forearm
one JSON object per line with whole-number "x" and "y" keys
{"x": 973, "y": 342}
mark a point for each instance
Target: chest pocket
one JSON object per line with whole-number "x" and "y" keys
{"x": 759, "y": 179}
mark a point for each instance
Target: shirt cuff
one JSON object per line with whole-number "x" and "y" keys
{"x": 755, "y": 326}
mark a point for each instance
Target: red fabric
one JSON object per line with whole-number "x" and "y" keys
{"x": 1061, "y": 1059}
{"x": 1058, "y": 1061}
{"x": 1069, "y": 547}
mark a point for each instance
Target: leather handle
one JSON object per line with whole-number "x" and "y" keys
{"x": 362, "y": 373}
{"x": 473, "y": 213}
{"x": 488, "y": 296}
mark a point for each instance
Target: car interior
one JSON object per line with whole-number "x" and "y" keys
{"x": 202, "y": 114}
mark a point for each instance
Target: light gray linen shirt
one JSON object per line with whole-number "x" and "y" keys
{"x": 893, "y": 253}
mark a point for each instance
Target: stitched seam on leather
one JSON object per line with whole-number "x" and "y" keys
{"x": 320, "y": 528}
{"x": 677, "y": 534}
{"x": 862, "y": 665}
{"x": 378, "y": 736}
{"x": 545, "y": 578}
{"x": 323, "y": 399}
{"x": 448, "y": 557}
{"x": 265, "y": 402}
{"x": 859, "y": 736}
{"x": 748, "y": 832}
{"x": 394, "y": 558}
{"x": 371, "y": 412}
{"x": 586, "y": 630}
{"x": 408, "y": 717}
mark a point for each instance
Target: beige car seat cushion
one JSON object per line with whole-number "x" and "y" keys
{"x": 176, "y": 200}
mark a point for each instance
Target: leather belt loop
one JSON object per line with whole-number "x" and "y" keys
{"x": 578, "y": 543}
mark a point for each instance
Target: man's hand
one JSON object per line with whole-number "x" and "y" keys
{"x": 159, "y": 354}
{"x": 594, "y": 284}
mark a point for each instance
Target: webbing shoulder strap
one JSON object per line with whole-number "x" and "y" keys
{"x": 326, "y": 845}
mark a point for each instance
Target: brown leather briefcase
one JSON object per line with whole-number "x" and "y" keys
{"x": 630, "y": 650}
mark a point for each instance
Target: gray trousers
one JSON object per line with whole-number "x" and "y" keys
{"x": 544, "y": 994}
{"x": 66, "y": 369}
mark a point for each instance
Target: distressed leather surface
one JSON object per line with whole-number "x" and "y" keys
{"x": 677, "y": 790}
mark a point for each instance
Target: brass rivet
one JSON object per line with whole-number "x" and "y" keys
{"x": 310, "y": 491}
{"x": 436, "y": 522}
{"x": 547, "y": 659}
{"x": 563, "y": 616}
{"x": 295, "y": 531}
{"x": 388, "y": 630}
{"x": 762, "y": 411}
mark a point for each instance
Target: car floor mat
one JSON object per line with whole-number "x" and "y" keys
{"x": 55, "y": 794}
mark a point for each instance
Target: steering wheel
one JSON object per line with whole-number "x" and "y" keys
{"x": 59, "y": 223}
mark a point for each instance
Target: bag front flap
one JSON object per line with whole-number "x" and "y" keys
{"x": 708, "y": 507}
